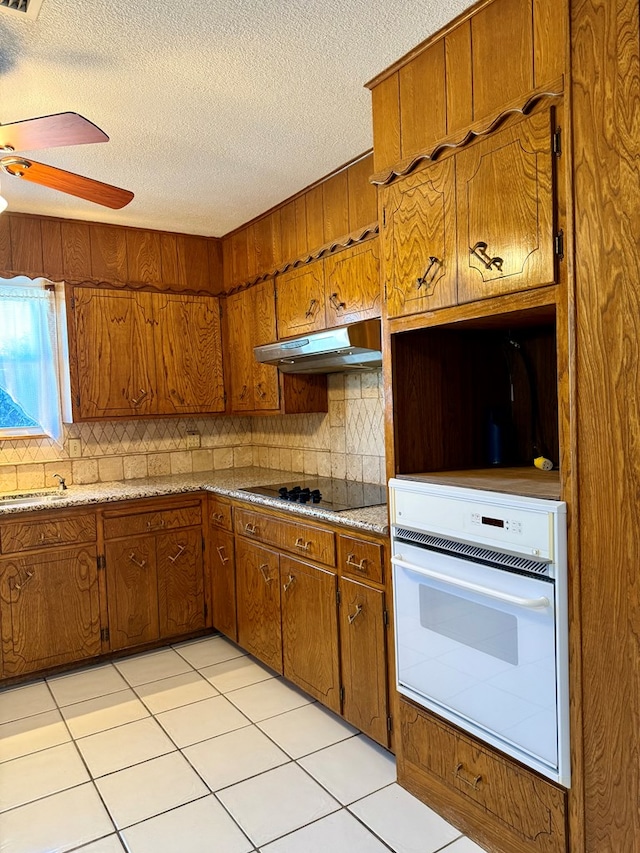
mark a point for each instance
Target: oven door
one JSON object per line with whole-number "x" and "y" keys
{"x": 477, "y": 645}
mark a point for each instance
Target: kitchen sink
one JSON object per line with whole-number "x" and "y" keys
{"x": 30, "y": 498}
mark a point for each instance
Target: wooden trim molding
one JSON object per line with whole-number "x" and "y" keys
{"x": 476, "y": 130}
{"x": 361, "y": 235}
{"x": 148, "y": 286}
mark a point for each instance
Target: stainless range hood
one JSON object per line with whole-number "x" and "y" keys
{"x": 352, "y": 347}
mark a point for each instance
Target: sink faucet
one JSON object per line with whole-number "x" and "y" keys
{"x": 61, "y": 483}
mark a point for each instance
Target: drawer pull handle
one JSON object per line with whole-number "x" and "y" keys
{"x": 140, "y": 563}
{"x": 360, "y": 566}
{"x": 223, "y": 557}
{"x": 300, "y": 543}
{"x": 217, "y": 516}
{"x": 250, "y": 528}
{"x": 311, "y": 310}
{"x": 137, "y": 400}
{"x": 21, "y": 586}
{"x": 179, "y": 554}
{"x": 473, "y": 782}
{"x": 352, "y": 618}
{"x": 429, "y": 277}
{"x": 261, "y": 393}
{"x": 290, "y": 580}
{"x": 334, "y": 299}
{"x": 243, "y": 393}
{"x": 264, "y": 568}
{"x": 480, "y": 251}
{"x": 152, "y": 526}
{"x": 49, "y": 540}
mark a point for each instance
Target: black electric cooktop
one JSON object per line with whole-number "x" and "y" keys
{"x": 325, "y": 493}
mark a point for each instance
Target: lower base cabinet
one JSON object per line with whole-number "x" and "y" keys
{"x": 258, "y": 602}
{"x": 132, "y": 591}
{"x": 180, "y": 582}
{"x": 223, "y": 583}
{"x": 49, "y": 608}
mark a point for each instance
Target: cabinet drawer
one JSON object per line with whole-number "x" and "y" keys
{"x": 220, "y": 514}
{"x": 147, "y": 522}
{"x": 296, "y": 537}
{"x": 531, "y": 807}
{"x": 360, "y": 559}
{"x": 41, "y": 532}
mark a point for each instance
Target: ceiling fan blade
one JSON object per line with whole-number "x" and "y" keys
{"x": 66, "y": 182}
{"x": 49, "y": 132}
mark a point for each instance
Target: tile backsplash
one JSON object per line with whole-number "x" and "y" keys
{"x": 347, "y": 442}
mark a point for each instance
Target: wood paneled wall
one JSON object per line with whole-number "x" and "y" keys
{"x": 89, "y": 251}
{"x": 333, "y": 208}
{"x": 466, "y": 73}
{"x": 605, "y": 90}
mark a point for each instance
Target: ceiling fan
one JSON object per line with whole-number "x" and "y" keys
{"x": 50, "y": 132}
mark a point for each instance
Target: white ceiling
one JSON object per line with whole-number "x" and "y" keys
{"x": 216, "y": 109}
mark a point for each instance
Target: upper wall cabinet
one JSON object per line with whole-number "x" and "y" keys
{"x": 141, "y": 354}
{"x": 300, "y": 301}
{"x": 419, "y": 240}
{"x": 505, "y": 211}
{"x": 490, "y": 59}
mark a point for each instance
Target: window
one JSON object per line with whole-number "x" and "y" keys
{"x": 29, "y": 381}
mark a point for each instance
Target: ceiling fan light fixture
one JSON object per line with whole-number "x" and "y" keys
{"x": 14, "y": 166}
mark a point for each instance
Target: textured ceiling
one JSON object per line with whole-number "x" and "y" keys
{"x": 217, "y": 110}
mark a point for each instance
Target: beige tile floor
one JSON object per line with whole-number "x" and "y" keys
{"x": 197, "y": 748}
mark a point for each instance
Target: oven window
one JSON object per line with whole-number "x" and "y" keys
{"x": 487, "y": 629}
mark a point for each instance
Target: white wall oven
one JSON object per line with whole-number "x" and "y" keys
{"x": 480, "y": 602}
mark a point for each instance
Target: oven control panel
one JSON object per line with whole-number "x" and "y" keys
{"x": 527, "y": 526}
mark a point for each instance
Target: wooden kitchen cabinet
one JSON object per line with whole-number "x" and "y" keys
{"x": 352, "y": 284}
{"x": 301, "y": 301}
{"x": 258, "y": 602}
{"x": 138, "y": 354}
{"x": 310, "y": 630}
{"x": 419, "y": 240}
{"x": 504, "y": 199}
{"x": 49, "y": 608}
{"x": 222, "y": 568}
{"x": 154, "y": 572}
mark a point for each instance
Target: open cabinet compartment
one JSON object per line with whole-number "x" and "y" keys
{"x": 451, "y": 382}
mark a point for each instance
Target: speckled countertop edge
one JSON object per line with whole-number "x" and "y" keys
{"x": 228, "y": 483}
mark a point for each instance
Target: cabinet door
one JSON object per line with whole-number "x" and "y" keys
{"x": 239, "y": 323}
{"x": 310, "y": 630}
{"x": 223, "y": 583}
{"x": 132, "y": 591}
{"x": 364, "y": 658}
{"x": 113, "y": 348}
{"x": 300, "y": 301}
{"x": 180, "y": 582}
{"x": 258, "y": 600}
{"x": 266, "y": 388}
{"x": 188, "y": 354}
{"x": 352, "y": 284}
{"x": 419, "y": 241}
{"x": 49, "y": 609}
{"x": 505, "y": 211}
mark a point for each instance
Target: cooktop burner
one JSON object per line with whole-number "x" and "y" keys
{"x": 326, "y": 493}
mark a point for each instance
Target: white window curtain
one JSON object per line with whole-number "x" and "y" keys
{"x": 29, "y": 350}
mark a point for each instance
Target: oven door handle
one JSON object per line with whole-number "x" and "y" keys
{"x": 529, "y": 603}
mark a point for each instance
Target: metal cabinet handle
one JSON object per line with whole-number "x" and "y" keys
{"x": 21, "y": 586}
{"x": 300, "y": 543}
{"x": 429, "y": 276}
{"x": 250, "y": 528}
{"x": 137, "y": 400}
{"x": 140, "y": 564}
{"x": 480, "y": 251}
{"x": 352, "y": 618}
{"x": 360, "y": 566}
{"x": 160, "y": 524}
{"x": 49, "y": 540}
{"x": 217, "y": 516}
{"x": 290, "y": 580}
{"x": 243, "y": 393}
{"x": 473, "y": 782}
{"x": 262, "y": 394}
{"x": 334, "y": 299}
{"x": 264, "y": 568}
{"x": 223, "y": 557}
{"x": 180, "y": 550}
{"x": 311, "y": 310}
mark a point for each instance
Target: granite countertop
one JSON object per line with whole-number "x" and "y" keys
{"x": 228, "y": 482}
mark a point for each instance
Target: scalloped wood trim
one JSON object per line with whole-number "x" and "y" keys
{"x": 352, "y": 239}
{"x": 139, "y": 286}
{"x": 481, "y": 128}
